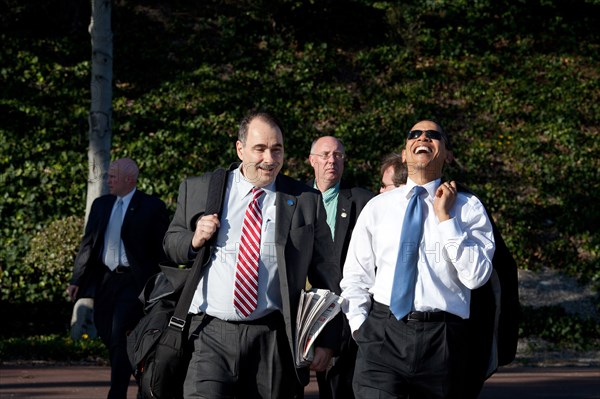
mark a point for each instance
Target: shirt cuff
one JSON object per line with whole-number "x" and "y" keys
{"x": 355, "y": 323}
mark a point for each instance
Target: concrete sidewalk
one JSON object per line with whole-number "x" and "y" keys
{"x": 91, "y": 382}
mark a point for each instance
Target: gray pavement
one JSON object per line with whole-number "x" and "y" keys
{"x": 91, "y": 382}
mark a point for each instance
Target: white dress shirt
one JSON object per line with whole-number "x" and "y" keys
{"x": 455, "y": 256}
{"x": 123, "y": 261}
{"x": 214, "y": 294}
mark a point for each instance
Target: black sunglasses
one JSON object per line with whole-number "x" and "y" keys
{"x": 430, "y": 134}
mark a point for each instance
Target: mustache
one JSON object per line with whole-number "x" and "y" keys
{"x": 252, "y": 170}
{"x": 266, "y": 166}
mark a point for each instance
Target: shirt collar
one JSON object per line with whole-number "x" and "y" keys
{"x": 126, "y": 198}
{"x": 245, "y": 186}
{"x": 430, "y": 187}
{"x": 330, "y": 193}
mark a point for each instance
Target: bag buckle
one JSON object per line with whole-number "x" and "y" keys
{"x": 177, "y": 323}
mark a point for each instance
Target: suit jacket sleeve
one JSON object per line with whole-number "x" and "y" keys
{"x": 87, "y": 266}
{"x": 191, "y": 203}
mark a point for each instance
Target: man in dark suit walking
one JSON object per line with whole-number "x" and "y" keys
{"x": 270, "y": 236}
{"x": 343, "y": 204}
{"x": 120, "y": 250}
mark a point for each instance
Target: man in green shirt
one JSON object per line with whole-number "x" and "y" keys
{"x": 343, "y": 204}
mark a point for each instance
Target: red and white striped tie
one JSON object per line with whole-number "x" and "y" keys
{"x": 245, "y": 292}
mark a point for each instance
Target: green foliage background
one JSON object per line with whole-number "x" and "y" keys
{"x": 515, "y": 83}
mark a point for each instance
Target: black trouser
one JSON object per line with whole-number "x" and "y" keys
{"x": 336, "y": 383}
{"x": 117, "y": 310}
{"x": 409, "y": 358}
{"x": 240, "y": 360}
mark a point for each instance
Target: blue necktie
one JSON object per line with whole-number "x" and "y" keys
{"x": 405, "y": 277}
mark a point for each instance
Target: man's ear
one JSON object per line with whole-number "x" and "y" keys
{"x": 238, "y": 148}
{"x": 449, "y": 157}
{"x": 404, "y": 155}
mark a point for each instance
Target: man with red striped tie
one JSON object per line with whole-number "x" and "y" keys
{"x": 270, "y": 236}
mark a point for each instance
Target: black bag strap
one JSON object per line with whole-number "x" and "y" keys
{"x": 214, "y": 202}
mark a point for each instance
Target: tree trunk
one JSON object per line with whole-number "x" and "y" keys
{"x": 100, "y": 136}
{"x": 100, "y": 117}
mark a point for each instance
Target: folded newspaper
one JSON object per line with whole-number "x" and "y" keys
{"x": 316, "y": 308}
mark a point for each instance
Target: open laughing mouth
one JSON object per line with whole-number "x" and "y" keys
{"x": 423, "y": 150}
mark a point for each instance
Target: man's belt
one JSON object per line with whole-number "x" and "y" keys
{"x": 122, "y": 269}
{"x": 432, "y": 316}
{"x": 418, "y": 316}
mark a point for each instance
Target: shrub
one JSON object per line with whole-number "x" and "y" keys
{"x": 553, "y": 324}
{"x": 44, "y": 273}
{"x": 53, "y": 347}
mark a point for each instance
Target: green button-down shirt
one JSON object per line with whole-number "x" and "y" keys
{"x": 330, "y": 200}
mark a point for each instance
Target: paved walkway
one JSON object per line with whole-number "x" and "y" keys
{"x": 91, "y": 382}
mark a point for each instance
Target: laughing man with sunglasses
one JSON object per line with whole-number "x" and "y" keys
{"x": 408, "y": 313}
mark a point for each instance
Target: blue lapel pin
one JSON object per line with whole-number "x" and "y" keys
{"x": 290, "y": 202}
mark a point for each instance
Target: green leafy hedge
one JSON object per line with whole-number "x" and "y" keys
{"x": 53, "y": 348}
{"x": 516, "y": 84}
{"x": 44, "y": 272}
{"x": 554, "y": 325}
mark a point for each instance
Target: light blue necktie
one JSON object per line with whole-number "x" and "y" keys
{"x": 113, "y": 238}
{"x": 405, "y": 277}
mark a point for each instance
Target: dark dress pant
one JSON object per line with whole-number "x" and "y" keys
{"x": 117, "y": 310}
{"x": 240, "y": 359}
{"x": 336, "y": 383}
{"x": 409, "y": 359}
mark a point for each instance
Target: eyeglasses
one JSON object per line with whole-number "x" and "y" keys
{"x": 430, "y": 134}
{"x": 325, "y": 156}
